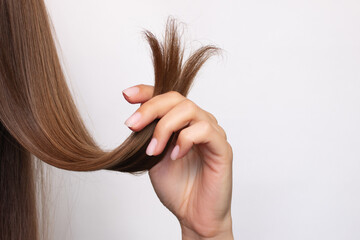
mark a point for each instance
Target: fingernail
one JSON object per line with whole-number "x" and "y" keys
{"x": 175, "y": 152}
{"x": 151, "y": 147}
{"x": 131, "y": 91}
{"x": 133, "y": 119}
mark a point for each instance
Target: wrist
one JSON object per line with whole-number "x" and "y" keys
{"x": 223, "y": 232}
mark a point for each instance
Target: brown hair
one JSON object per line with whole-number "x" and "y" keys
{"x": 38, "y": 115}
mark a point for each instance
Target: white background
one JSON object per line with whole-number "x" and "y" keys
{"x": 286, "y": 90}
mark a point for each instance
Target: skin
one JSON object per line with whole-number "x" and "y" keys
{"x": 197, "y": 186}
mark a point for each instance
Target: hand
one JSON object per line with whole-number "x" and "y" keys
{"x": 197, "y": 186}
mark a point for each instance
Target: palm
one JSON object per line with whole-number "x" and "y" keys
{"x": 196, "y": 188}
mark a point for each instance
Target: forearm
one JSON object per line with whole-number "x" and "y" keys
{"x": 194, "y": 236}
{"x": 224, "y": 233}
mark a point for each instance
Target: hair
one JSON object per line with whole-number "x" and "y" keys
{"x": 38, "y": 116}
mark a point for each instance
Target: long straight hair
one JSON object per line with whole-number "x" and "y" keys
{"x": 38, "y": 116}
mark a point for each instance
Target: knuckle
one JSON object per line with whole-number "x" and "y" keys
{"x": 205, "y": 127}
{"x": 190, "y": 106}
{"x": 163, "y": 126}
{"x": 184, "y": 136}
{"x": 144, "y": 108}
{"x": 212, "y": 117}
{"x": 148, "y": 105}
{"x": 222, "y": 131}
{"x": 174, "y": 94}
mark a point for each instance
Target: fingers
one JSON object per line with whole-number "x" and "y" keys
{"x": 154, "y": 108}
{"x": 175, "y": 112}
{"x": 178, "y": 117}
{"x": 201, "y": 132}
{"x": 138, "y": 93}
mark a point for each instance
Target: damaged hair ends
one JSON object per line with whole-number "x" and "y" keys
{"x": 38, "y": 115}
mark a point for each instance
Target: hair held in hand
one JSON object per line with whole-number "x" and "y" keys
{"x": 38, "y": 116}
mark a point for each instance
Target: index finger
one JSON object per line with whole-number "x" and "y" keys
{"x": 138, "y": 93}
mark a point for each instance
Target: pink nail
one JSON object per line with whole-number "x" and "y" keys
{"x": 175, "y": 152}
{"x": 131, "y": 91}
{"x": 151, "y": 147}
{"x": 133, "y": 119}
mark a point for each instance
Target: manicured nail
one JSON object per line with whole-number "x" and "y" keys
{"x": 175, "y": 152}
{"x": 151, "y": 147}
{"x": 131, "y": 91}
{"x": 133, "y": 119}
